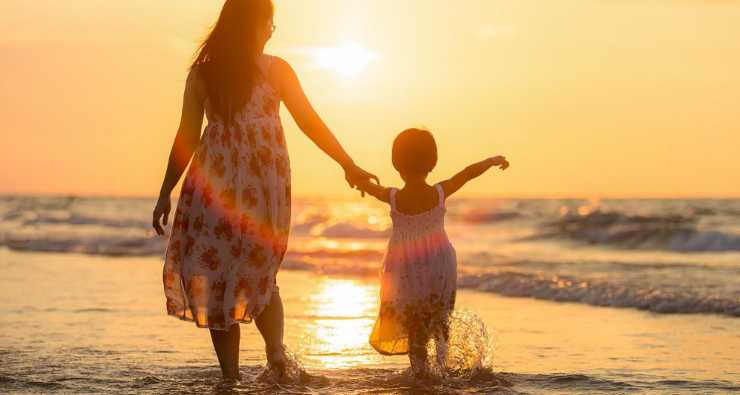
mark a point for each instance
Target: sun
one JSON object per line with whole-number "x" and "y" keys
{"x": 348, "y": 60}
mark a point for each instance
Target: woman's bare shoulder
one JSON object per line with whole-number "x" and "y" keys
{"x": 281, "y": 75}
{"x": 281, "y": 66}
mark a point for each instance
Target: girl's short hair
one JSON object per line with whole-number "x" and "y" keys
{"x": 414, "y": 152}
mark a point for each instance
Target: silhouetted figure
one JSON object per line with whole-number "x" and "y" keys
{"x": 231, "y": 224}
{"x": 419, "y": 277}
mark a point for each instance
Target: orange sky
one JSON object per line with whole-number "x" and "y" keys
{"x": 586, "y": 98}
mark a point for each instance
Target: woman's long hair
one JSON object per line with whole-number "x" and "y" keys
{"x": 227, "y": 60}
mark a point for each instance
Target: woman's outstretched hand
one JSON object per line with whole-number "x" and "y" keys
{"x": 354, "y": 175}
{"x": 161, "y": 210}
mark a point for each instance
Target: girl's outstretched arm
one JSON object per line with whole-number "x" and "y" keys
{"x": 313, "y": 126}
{"x": 458, "y": 180}
{"x": 376, "y": 190}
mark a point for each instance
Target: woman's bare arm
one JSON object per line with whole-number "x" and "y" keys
{"x": 186, "y": 141}
{"x": 458, "y": 180}
{"x": 312, "y": 125}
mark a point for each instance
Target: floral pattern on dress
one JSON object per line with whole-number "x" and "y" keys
{"x": 231, "y": 224}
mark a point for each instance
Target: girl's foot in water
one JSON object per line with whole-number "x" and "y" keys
{"x": 422, "y": 375}
{"x": 419, "y": 372}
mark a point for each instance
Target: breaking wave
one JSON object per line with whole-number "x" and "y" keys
{"x": 599, "y": 293}
{"x": 667, "y": 232}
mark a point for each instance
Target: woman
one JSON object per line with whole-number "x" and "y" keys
{"x": 231, "y": 224}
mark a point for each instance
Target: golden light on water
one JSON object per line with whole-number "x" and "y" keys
{"x": 343, "y": 298}
{"x": 344, "y": 311}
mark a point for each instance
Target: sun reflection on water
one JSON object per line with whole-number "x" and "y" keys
{"x": 342, "y": 312}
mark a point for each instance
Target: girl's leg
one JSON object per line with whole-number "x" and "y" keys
{"x": 270, "y": 324}
{"x": 442, "y": 340}
{"x": 226, "y": 344}
{"x": 418, "y": 338}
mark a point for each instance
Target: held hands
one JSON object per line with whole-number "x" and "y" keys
{"x": 162, "y": 209}
{"x": 356, "y": 175}
{"x": 499, "y": 161}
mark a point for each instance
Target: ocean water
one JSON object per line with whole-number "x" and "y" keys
{"x": 666, "y": 256}
{"x": 613, "y": 296}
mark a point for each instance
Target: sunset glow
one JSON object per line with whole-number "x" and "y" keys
{"x": 348, "y": 60}
{"x": 586, "y": 98}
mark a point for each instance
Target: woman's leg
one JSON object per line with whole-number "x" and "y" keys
{"x": 226, "y": 344}
{"x": 270, "y": 324}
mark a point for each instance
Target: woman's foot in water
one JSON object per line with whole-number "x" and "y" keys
{"x": 277, "y": 363}
{"x": 232, "y": 379}
{"x": 231, "y": 376}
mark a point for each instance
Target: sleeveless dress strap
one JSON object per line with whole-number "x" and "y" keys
{"x": 441, "y": 194}
{"x": 392, "y": 198}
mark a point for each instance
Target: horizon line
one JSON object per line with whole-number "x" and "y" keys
{"x": 344, "y": 197}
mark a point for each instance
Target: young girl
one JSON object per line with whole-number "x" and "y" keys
{"x": 417, "y": 292}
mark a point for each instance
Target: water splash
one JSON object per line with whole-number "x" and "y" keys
{"x": 468, "y": 352}
{"x": 294, "y": 373}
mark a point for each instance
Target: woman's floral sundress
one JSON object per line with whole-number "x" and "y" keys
{"x": 419, "y": 279}
{"x": 231, "y": 224}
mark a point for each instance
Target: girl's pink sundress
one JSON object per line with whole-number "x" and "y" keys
{"x": 419, "y": 279}
{"x": 231, "y": 224}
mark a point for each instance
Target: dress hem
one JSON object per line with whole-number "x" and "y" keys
{"x": 244, "y": 320}
{"x": 383, "y": 352}
{"x": 386, "y": 352}
{"x": 183, "y": 318}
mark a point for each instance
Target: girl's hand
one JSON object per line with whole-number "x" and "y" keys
{"x": 162, "y": 209}
{"x": 499, "y": 161}
{"x": 354, "y": 175}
